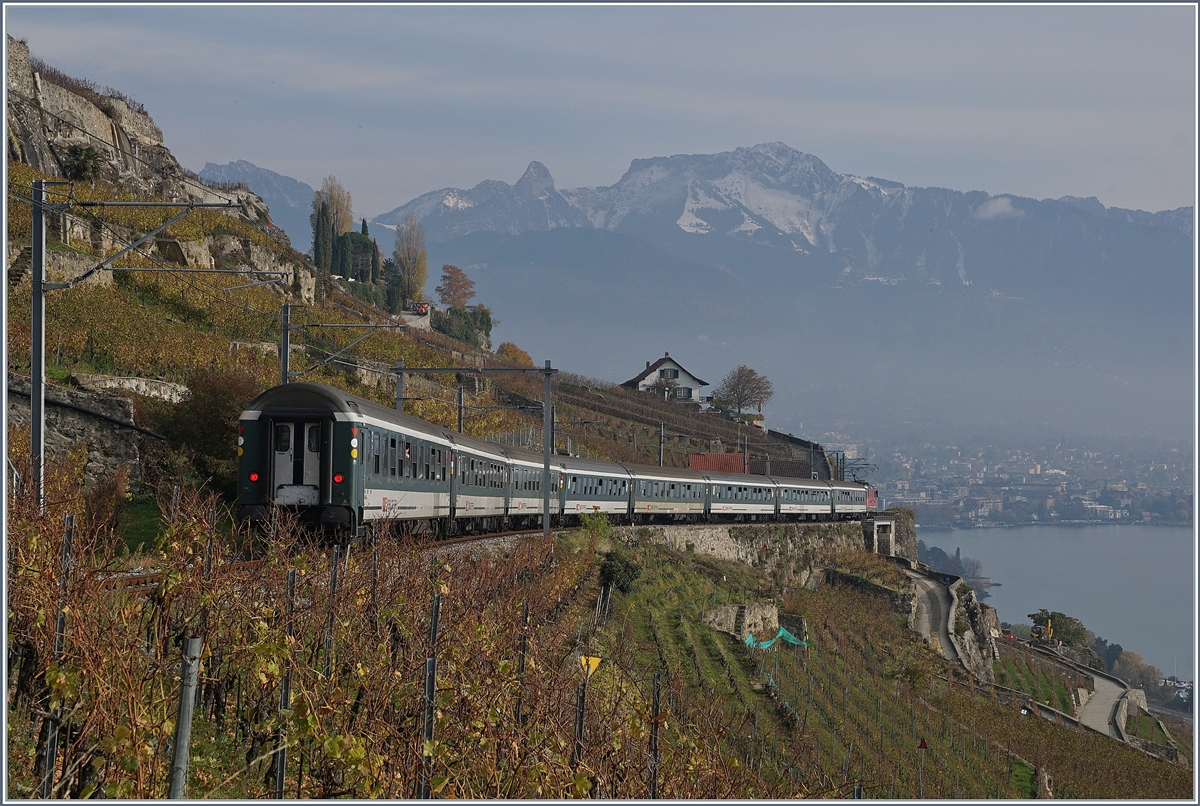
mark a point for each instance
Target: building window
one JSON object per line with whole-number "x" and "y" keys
{"x": 683, "y": 392}
{"x": 668, "y": 373}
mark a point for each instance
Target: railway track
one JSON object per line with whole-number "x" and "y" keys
{"x": 142, "y": 580}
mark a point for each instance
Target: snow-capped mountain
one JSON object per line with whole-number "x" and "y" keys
{"x": 532, "y": 204}
{"x": 772, "y": 195}
{"x": 857, "y": 294}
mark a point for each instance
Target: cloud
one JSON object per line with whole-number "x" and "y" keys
{"x": 999, "y": 207}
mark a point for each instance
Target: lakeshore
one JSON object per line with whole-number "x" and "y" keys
{"x": 1131, "y": 584}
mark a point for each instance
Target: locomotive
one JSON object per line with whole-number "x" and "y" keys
{"x": 346, "y": 462}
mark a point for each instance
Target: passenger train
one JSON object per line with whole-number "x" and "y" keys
{"x": 347, "y": 462}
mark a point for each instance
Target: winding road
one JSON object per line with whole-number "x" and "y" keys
{"x": 933, "y": 609}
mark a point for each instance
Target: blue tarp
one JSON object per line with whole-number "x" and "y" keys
{"x": 783, "y": 633}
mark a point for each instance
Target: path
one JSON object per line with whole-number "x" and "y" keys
{"x": 933, "y": 609}
{"x": 1099, "y": 710}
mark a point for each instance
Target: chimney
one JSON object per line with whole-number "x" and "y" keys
{"x": 666, "y": 355}
{"x": 647, "y": 365}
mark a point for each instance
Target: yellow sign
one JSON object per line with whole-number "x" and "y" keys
{"x": 589, "y": 664}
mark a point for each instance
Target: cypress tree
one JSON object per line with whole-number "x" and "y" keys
{"x": 364, "y": 227}
{"x": 323, "y": 238}
{"x": 374, "y": 259}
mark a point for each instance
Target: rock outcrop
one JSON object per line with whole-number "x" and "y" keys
{"x": 110, "y": 441}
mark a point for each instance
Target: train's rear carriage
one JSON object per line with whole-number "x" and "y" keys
{"x": 872, "y": 499}
{"x": 592, "y": 486}
{"x": 525, "y": 497}
{"x": 803, "y": 499}
{"x": 293, "y": 452}
{"x": 738, "y": 496}
{"x": 663, "y": 493}
{"x": 849, "y": 499}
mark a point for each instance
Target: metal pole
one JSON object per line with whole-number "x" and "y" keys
{"x": 333, "y": 575}
{"x": 430, "y": 700}
{"x": 554, "y": 430}
{"x": 521, "y": 658}
{"x": 399, "y": 370}
{"x": 580, "y": 705}
{"x": 183, "y": 725}
{"x": 37, "y": 362}
{"x": 285, "y": 344}
{"x": 285, "y": 691}
{"x": 546, "y": 437}
{"x": 60, "y": 640}
{"x": 460, "y": 408}
{"x": 655, "y": 712}
{"x": 662, "y": 437}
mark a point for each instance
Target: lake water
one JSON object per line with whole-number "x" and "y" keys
{"x": 1132, "y": 585}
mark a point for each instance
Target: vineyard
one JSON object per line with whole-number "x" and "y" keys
{"x": 314, "y": 661}
{"x": 350, "y": 637}
{"x": 318, "y": 657}
{"x": 853, "y": 707}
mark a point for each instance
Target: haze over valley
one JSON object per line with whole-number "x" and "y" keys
{"x": 874, "y": 306}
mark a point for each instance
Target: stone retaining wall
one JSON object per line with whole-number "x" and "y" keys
{"x": 108, "y": 445}
{"x": 788, "y": 552}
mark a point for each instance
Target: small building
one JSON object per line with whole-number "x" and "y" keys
{"x": 667, "y": 373}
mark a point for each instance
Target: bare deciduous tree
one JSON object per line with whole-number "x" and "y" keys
{"x": 743, "y": 388}
{"x": 409, "y": 259}
{"x": 341, "y": 207}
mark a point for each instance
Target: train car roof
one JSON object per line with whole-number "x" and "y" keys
{"x": 307, "y": 399}
{"x": 533, "y": 457}
{"x": 654, "y": 471}
{"x": 783, "y": 481}
{"x": 577, "y": 464}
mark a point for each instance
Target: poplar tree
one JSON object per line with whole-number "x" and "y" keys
{"x": 409, "y": 257}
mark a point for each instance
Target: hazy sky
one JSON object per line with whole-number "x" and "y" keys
{"x": 396, "y": 101}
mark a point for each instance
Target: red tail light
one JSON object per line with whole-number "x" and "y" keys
{"x": 253, "y": 477}
{"x": 338, "y": 478}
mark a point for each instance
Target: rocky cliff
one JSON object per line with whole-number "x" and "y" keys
{"x": 46, "y": 118}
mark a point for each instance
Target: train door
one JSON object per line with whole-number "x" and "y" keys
{"x": 297, "y": 448}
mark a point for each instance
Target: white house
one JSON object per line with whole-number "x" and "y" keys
{"x": 666, "y": 369}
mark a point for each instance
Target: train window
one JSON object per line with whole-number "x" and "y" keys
{"x": 283, "y": 438}
{"x": 314, "y": 438}
{"x": 375, "y": 453}
{"x": 392, "y": 456}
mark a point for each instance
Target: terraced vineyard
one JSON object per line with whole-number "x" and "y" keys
{"x": 852, "y": 709}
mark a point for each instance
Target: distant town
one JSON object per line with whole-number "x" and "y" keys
{"x": 961, "y": 486}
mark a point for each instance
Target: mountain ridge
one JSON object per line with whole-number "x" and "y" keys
{"x": 290, "y": 199}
